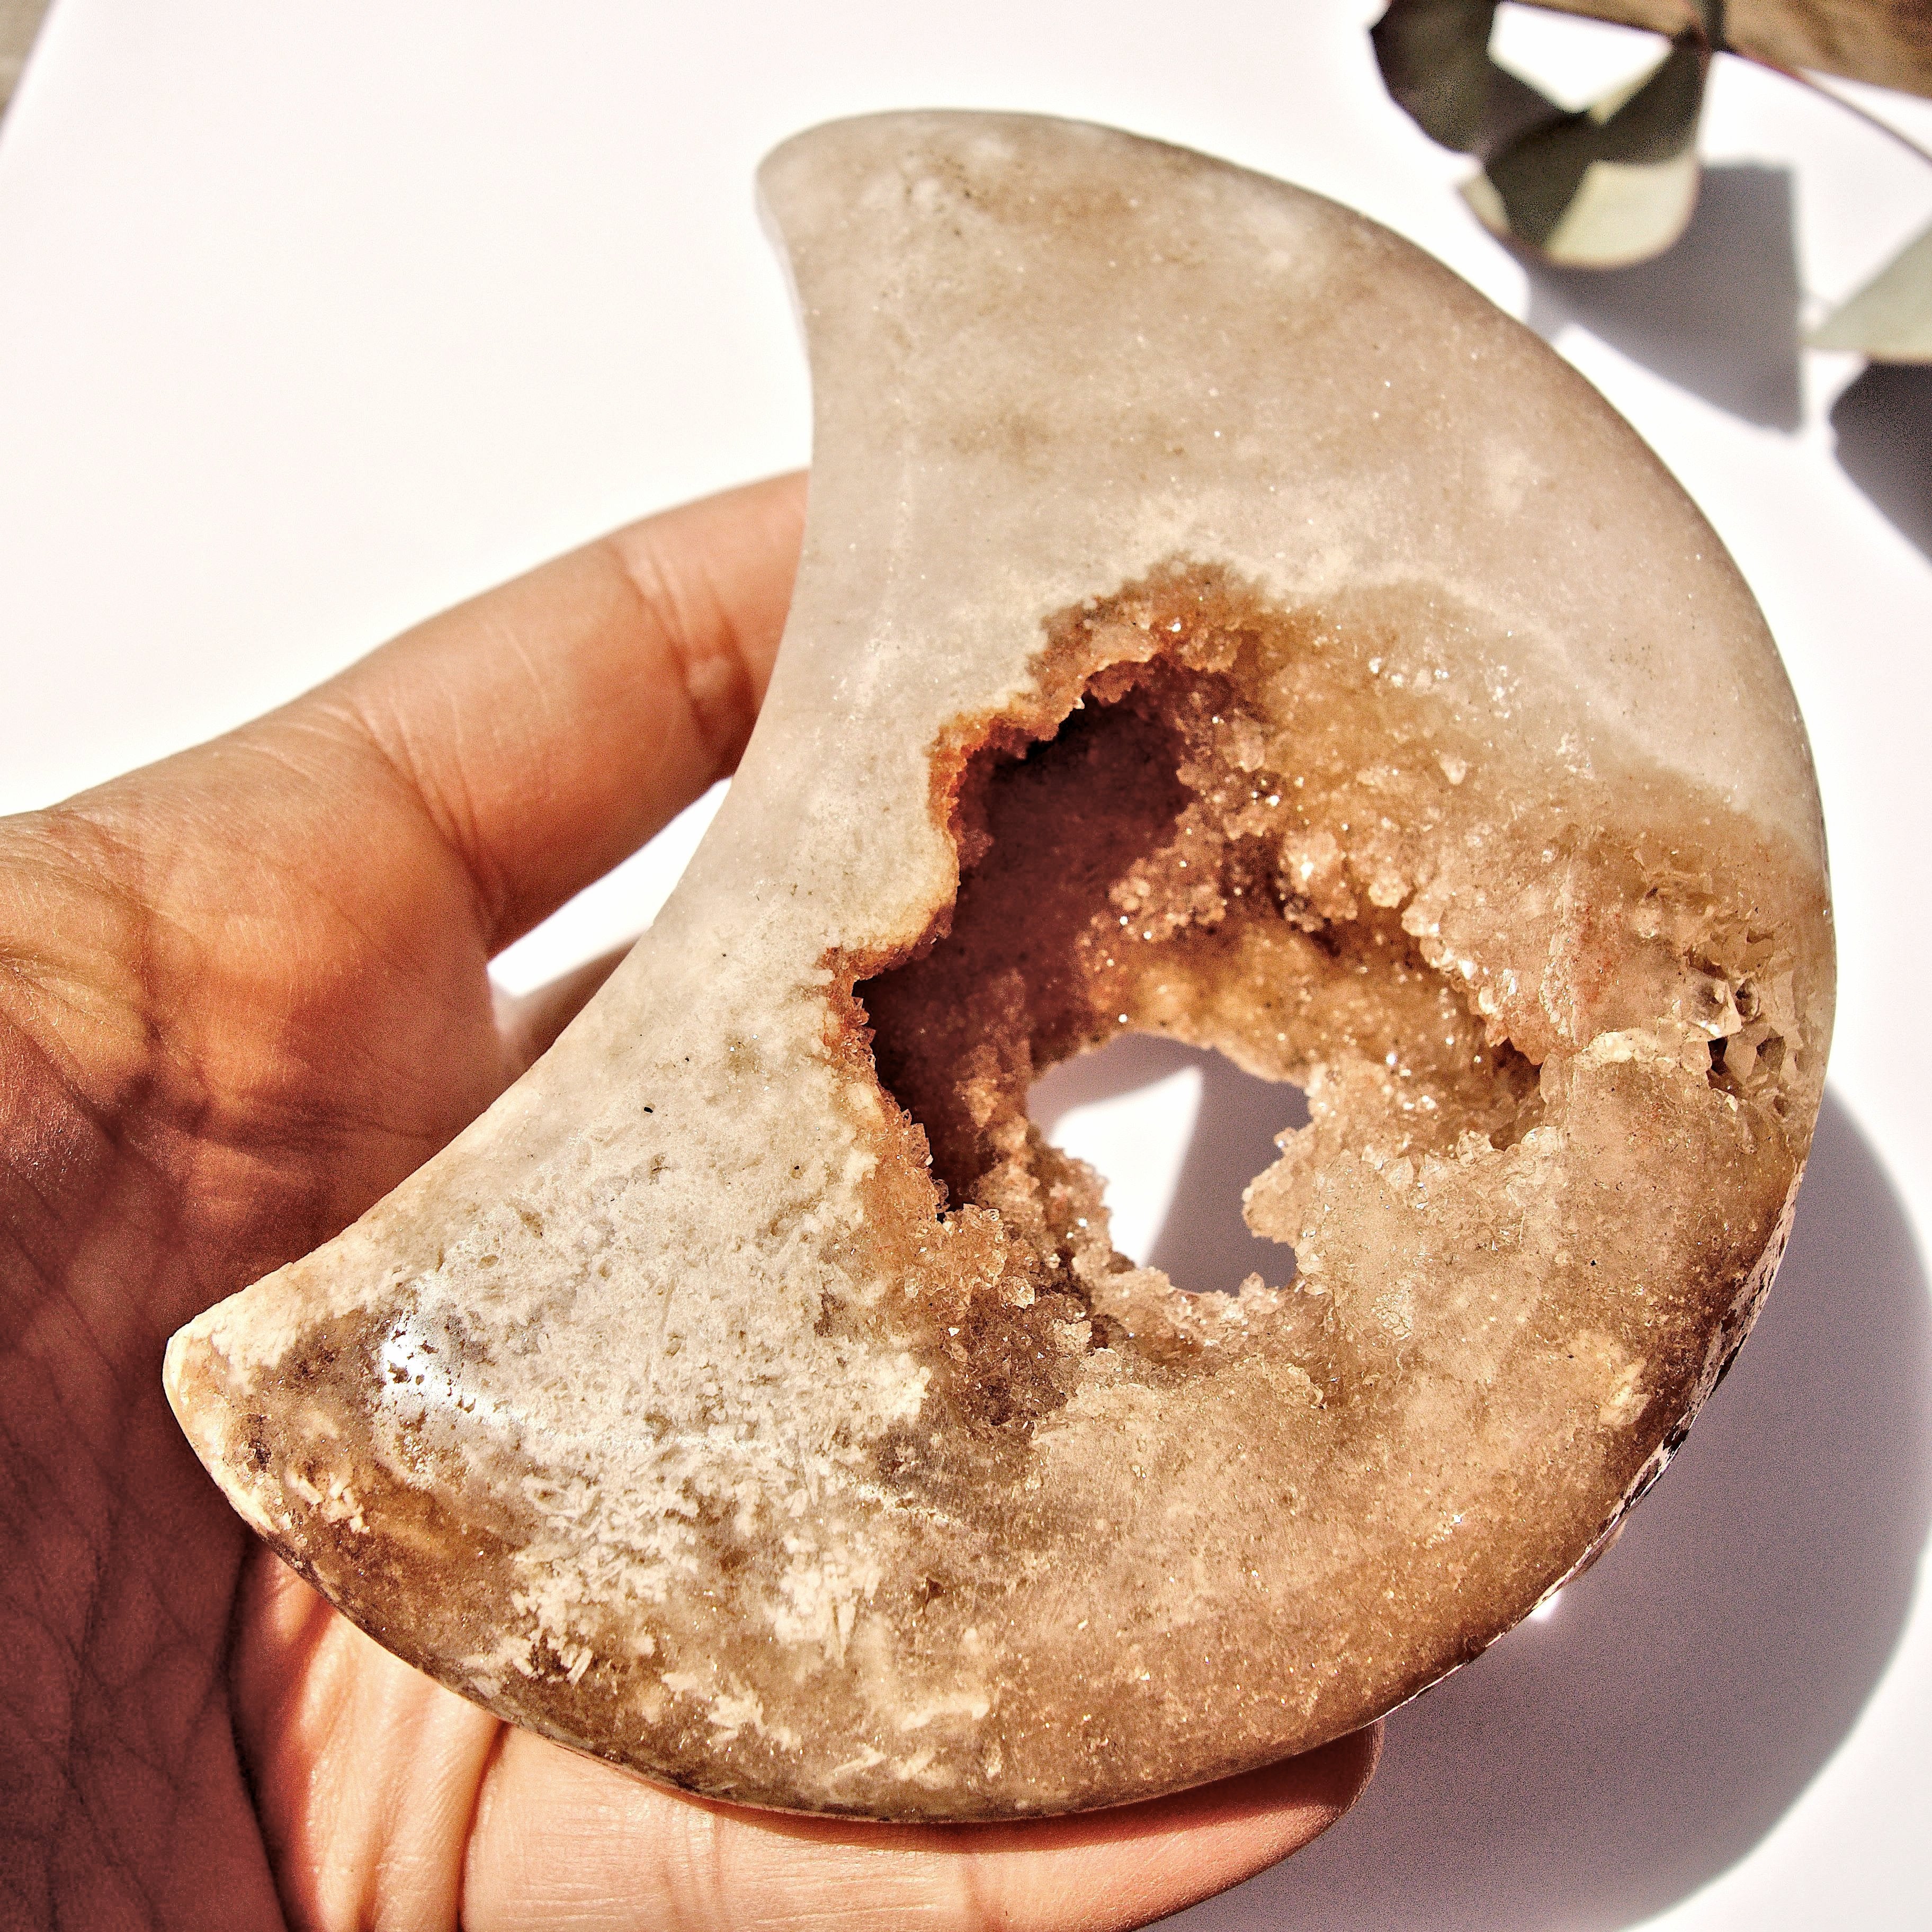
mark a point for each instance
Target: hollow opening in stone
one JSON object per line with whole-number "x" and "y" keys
{"x": 1176, "y": 1132}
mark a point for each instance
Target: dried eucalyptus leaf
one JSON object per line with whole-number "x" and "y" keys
{"x": 1890, "y": 319}
{"x": 1618, "y": 218}
{"x": 1887, "y": 42}
{"x": 1435, "y": 59}
{"x": 1613, "y": 185}
{"x": 19, "y": 22}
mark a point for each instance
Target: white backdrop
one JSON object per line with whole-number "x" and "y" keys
{"x": 313, "y": 319}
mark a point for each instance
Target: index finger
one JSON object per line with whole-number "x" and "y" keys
{"x": 549, "y": 727}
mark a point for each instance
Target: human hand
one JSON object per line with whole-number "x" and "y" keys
{"x": 243, "y": 993}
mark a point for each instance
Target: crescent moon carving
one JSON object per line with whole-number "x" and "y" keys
{"x": 1215, "y": 620}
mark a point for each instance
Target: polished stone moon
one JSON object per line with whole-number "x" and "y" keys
{"x": 1218, "y": 621}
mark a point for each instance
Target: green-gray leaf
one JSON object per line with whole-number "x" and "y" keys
{"x": 1613, "y": 185}
{"x": 1435, "y": 59}
{"x": 1890, "y": 319}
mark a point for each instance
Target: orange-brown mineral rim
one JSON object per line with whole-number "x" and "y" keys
{"x": 1216, "y": 621}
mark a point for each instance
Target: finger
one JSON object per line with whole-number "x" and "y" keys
{"x": 551, "y": 727}
{"x": 604, "y": 1854}
{"x": 529, "y": 1023}
{"x": 364, "y": 1772}
{"x": 497, "y": 758}
{"x": 387, "y": 1800}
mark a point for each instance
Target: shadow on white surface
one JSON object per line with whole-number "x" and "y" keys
{"x": 1717, "y": 314}
{"x": 1202, "y": 1243}
{"x": 1600, "y": 1765}
{"x": 1883, "y": 424}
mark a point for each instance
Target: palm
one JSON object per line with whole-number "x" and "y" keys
{"x": 241, "y": 995}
